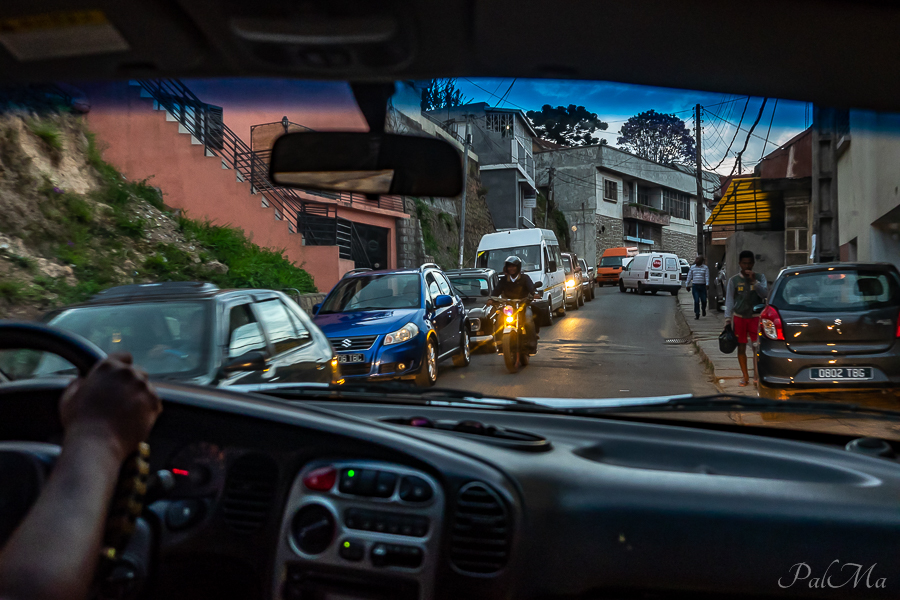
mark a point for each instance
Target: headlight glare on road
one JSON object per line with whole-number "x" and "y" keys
{"x": 404, "y": 334}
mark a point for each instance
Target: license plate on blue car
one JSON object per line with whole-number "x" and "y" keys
{"x": 350, "y": 358}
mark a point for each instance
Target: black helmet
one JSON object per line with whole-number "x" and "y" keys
{"x": 512, "y": 260}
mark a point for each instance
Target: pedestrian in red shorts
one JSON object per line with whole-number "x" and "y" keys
{"x": 745, "y": 290}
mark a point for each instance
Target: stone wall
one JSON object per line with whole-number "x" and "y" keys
{"x": 410, "y": 243}
{"x": 610, "y": 234}
{"x": 681, "y": 244}
{"x": 307, "y": 301}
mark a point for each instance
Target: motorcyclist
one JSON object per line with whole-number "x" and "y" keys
{"x": 515, "y": 285}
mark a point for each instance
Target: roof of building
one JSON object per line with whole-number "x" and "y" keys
{"x": 792, "y": 160}
{"x": 484, "y": 106}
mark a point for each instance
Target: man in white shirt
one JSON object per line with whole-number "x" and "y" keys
{"x": 697, "y": 282}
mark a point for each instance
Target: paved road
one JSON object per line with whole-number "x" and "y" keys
{"x": 612, "y": 347}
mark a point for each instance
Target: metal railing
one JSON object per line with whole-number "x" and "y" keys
{"x": 204, "y": 122}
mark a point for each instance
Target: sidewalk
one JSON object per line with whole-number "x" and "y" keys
{"x": 706, "y": 332}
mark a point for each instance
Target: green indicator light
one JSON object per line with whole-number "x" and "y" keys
{"x": 346, "y": 544}
{"x": 351, "y": 473}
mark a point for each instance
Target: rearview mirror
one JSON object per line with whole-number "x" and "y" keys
{"x": 485, "y": 292}
{"x": 251, "y": 361}
{"x": 443, "y": 301}
{"x": 367, "y": 163}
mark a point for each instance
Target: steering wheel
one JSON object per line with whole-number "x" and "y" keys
{"x": 25, "y": 466}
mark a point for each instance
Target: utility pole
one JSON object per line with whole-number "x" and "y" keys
{"x": 583, "y": 233}
{"x": 549, "y": 199}
{"x": 697, "y": 130}
{"x": 462, "y": 212}
{"x": 740, "y": 166}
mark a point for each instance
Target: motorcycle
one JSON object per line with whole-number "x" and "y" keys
{"x": 511, "y": 331}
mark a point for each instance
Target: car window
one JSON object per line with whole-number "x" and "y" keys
{"x": 546, "y": 260}
{"x": 434, "y": 290}
{"x": 671, "y": 264}
{"x": 470, "y": 286}
{"x": 838, "y": 290}
{"x": 279, "y": 327}
{"x": 443, "y": 283}
{"x": 567, "y": 264}
{"x": 496, "y": 258}
{"x": 611, "y": 261}
{"x": 374, "y": 292}
{"x": 244, "y": 333}
{"x": 164, "y": 338}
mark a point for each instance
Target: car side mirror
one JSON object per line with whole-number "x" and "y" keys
{"x": 485, "y": 292}
{"x": 250, "y": 361}
{"x": 443, "y": 301}
{"x": 316, "y": 308}
{"x": 538, "y": 286}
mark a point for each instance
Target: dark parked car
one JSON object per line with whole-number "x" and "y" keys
{"x": 196, "y": 333}
{"x": 474, "y": 286}
{"x": 574, "y": 280}
{"x": 831, "y": 327}
{"x": 395, "y": 324}
{"x": 587, "y": 280}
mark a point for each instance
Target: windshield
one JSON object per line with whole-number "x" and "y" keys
{"x": 495, "y": 259}
{"x": 165, "y": 338}
{"x": 375, "y": 292}
{"x": 611, "y": 261}
{"x": 471, "y": 286}
{"x": 558, "y": 170}
{"x": 838, "y": 290}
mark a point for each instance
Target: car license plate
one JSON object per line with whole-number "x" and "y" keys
{"x": 350, "y": 358}
{"x": 842, "y": 373}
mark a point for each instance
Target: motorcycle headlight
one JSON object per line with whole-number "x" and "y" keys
{"x": 508, "y": 311}
{"x": 404, "y": 334}
{"x": 510, "y": 319}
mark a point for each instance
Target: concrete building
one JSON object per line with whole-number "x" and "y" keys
{"x": 614, "y": 198}
{"x": 868, "y": 180}
{"x": 503, "y": 138}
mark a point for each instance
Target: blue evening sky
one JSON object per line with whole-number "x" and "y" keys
{"x": 614, "y": 103}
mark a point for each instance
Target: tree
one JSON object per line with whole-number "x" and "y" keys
{"x": 442, "y": 93}
{"x": 567, "y": 126}
{"x": 658, "y": 137}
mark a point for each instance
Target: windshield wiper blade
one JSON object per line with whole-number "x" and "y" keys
{"x": 394, "y": 392}
{"x": 732, "y": 402}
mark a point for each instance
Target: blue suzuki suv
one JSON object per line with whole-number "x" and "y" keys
{"x": 395, "y": 324}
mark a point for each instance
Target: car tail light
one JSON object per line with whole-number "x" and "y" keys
{"x": 770, "y": 324}
{"x": 646, "y": 274}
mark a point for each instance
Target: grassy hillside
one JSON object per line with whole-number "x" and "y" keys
{"x": 72, "y": 225}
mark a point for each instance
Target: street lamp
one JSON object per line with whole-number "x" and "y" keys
{"x": 285, "y": 123}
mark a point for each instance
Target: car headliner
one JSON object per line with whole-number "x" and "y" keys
{"x": 832, "y": 52}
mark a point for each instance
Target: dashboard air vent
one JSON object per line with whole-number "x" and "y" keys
{"x": 480, "y": 534}
{"x": 249, "y": 492}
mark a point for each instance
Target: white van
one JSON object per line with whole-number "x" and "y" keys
{"x": 652, "y": 272}
{"x": 541, "y": 260}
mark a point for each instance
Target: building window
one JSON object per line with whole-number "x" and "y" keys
{"x": 676, "y": 204}
{"x": 502, "y": 123}
{"x": 610, "y": 190}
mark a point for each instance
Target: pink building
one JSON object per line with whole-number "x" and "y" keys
{"x": 197, "y": 152}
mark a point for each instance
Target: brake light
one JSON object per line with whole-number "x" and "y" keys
{"x": 646, "y": 274}
{"x": 770, "y": 324}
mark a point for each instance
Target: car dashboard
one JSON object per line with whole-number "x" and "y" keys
{"x": 337, "y": 499}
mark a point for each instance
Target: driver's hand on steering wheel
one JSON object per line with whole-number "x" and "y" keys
{"x": 115, "y": 402}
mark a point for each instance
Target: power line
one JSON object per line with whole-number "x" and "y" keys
{"x": 494, "y": 95}
{"x": 759, "y": 137}
{"x": 747, "y": 140}
{"x": 508, "y": 90}
{"x": 763, "y": 153}
{"x": 737, "y": 129}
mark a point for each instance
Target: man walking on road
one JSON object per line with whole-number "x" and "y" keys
{"x": 745, "y": 290}
{"x": 697, "y": 282}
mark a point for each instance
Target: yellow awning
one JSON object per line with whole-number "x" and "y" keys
{"x": 743, "y": 203}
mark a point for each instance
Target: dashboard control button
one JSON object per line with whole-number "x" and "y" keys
{"x": 415, "y": 489}
{"x": 396, "y": 555}
{"x": 321, "y": 480}
{"x": 353, "y": 550}
{"x": 184, "y": 513}
{"x": 385, "y": 484}
{"x": 313, "y": 529}
{"x": 360, "y": 482}
{"x": 386, "y": 522}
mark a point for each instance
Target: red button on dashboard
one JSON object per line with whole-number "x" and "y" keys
{"x": 321, "y": 479}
